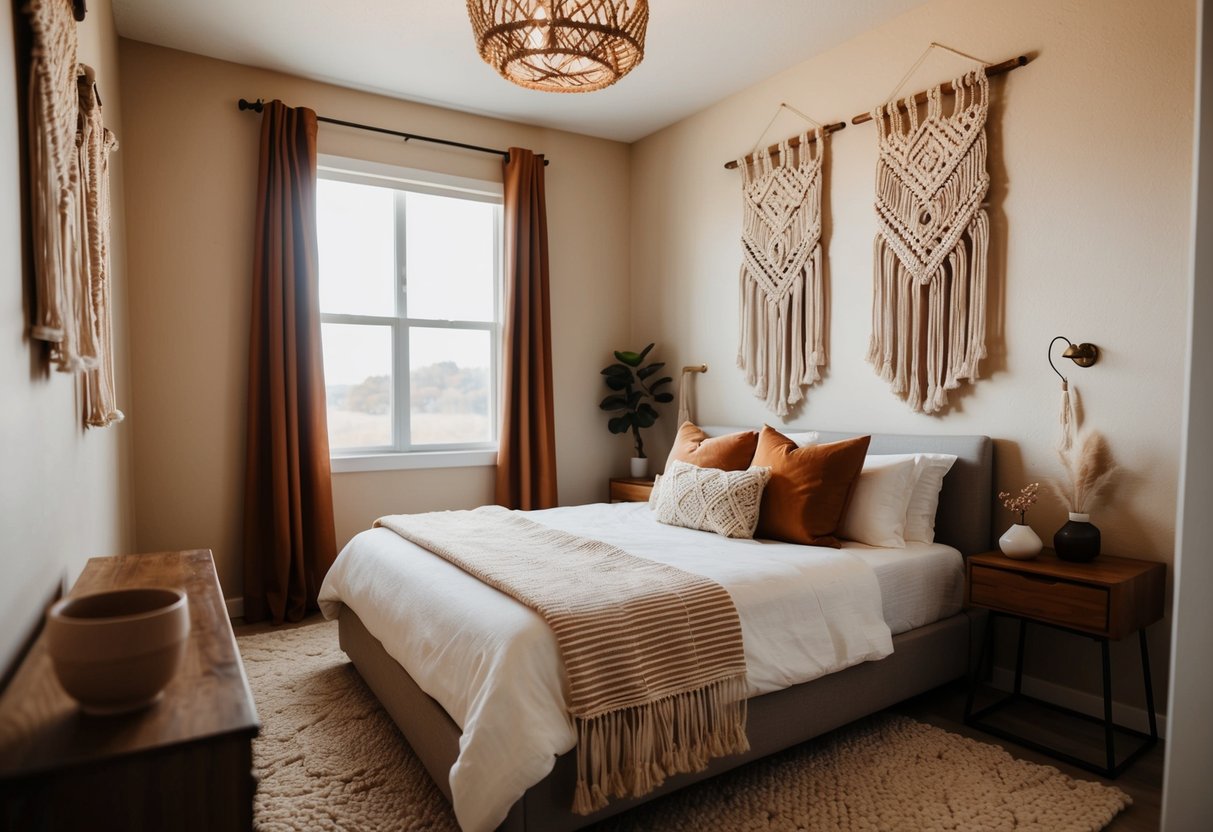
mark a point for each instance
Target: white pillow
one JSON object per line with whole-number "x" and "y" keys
{"x": 876, "y": 514}
{"x": 803, "y": 439}
{"x": 924, "y": 499}
{"x": 725, "y": 502}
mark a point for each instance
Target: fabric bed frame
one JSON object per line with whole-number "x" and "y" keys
{"x": 923, "y": 658}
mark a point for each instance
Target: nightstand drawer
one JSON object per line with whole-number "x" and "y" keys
{"x": 631, "y": 490}
{"x": 1061, "y": 602}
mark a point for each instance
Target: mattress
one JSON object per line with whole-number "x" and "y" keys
{"x": 919, "y": 585}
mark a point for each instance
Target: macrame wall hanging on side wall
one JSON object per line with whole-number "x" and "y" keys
{"x": 782, "y": 302}
{"x": 929, "y": 290}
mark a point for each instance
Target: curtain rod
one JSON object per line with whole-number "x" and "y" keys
{"x": 792, "y": 142}
{"x": 920, "y": 98}
{"x": 258, "y": 105}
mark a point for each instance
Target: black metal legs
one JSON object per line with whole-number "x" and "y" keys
{"x": 1110, "y": 768}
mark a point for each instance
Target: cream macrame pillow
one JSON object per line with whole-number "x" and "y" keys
{"x": 725, "y": 502}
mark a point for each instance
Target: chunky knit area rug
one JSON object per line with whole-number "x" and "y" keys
{"x": 329, "y": 758}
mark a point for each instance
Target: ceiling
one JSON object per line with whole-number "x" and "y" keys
{"x": 697, "y": 52}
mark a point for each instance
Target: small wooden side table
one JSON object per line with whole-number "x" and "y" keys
{"x": 185, "y": 763}
{"x": 1107, "y": 599}
{"x": 630, "y": 489}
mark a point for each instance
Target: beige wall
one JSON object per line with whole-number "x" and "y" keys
{"x": 192, "y": 194}
{"x": 65, "y": 492}
{"x": 1090, "y": 159}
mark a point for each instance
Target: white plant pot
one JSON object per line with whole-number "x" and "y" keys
{"x": 1020, "y": 543}
{"x": 640, "y": 467}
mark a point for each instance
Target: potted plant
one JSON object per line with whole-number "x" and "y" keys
{"x": 1020, "y": 542}
{"x": 632, "y": 397}
{"x": 1088, "y": 471}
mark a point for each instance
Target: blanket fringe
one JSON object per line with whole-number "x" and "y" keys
{"x": 628, "y": 752}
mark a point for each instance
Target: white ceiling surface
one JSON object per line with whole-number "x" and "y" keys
{"x": 697, "y": 52}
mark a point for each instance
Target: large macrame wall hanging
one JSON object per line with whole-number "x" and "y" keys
{"x": 54, "y": 178}
{"x": 929, "y": 293}
{"x": 782, "y": 284}
{"x": 70, "y": 209}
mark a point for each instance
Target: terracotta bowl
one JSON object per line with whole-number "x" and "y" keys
{"x": 115, "y": 651}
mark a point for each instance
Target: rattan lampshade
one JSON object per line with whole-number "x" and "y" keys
{"x": 560, "y": 45}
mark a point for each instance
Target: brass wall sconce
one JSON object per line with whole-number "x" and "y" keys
{"x": 1084, "y": 355}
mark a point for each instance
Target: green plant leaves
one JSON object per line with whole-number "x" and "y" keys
{"x": 636, "y": 412}
{"x": 645, "y": 372}
{"x": 632, "y": 359}
{"x": 620, "y": 424}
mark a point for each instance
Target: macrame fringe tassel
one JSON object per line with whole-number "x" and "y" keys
{"x": 1066, "y": 418}
{"x": 630, "y": 752}
{"x": 928, "y": 336}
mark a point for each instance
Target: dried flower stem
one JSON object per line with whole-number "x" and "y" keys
{"x": 1022, "y": 501}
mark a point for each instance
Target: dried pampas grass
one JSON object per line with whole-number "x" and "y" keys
{"x": 1089, "y": 471}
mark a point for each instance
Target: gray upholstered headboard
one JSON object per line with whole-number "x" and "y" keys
{"x": 967, "y": 497}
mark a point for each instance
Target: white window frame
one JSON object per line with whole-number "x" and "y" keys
{"x": 402, "y": 454}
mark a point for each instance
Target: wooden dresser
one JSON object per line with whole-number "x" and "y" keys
{"x": 185, "y": 763}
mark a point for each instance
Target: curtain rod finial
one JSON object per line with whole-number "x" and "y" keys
{"x": 256, "y": 106}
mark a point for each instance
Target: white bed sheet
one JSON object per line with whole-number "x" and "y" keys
{"x": 919, "y": 585}
{"x": 493, "y": 664}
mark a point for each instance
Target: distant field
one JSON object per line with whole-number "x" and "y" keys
{"x": 354, "y": 429}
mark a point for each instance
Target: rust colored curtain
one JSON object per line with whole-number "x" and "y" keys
{"x": 289, "y": 538}
{"x": 526, "y": 460}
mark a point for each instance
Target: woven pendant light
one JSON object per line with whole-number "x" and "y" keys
{"x": 560, "y": 45}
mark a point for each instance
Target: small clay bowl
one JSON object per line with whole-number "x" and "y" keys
{"x": 115, "y": 651}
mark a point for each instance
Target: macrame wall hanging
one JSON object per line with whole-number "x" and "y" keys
{"x": 782, "y": 301}
{"x": 929, "y": 292}
{"x": 96, "y": 143}
{"x": 70, "y": 208}
{"x": 54, "y": 177}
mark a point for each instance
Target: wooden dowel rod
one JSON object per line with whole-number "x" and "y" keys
{"x": 920, "y": 98}
{"x": 792, "y": 142}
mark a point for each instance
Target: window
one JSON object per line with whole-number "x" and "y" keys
{"x": 410, "y": 277}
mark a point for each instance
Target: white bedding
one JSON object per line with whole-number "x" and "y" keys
{"x": 920, "y": 584}
{"x": 493, "y": 664}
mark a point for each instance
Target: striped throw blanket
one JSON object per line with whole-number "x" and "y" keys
{"x": 653, "y": 654}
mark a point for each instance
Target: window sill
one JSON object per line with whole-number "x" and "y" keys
{"x": 355, "y": 463}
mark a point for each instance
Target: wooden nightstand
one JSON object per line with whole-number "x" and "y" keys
{"x": 630, "y": 489}
{"x": 1107, "y": 599}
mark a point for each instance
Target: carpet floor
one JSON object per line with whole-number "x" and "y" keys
{"x": 329, "y": 758}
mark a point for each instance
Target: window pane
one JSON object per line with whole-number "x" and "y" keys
{"x": 356, "y": 227}
{"x": 358, "y": 381}
{"x": 450, "y": 257}
{"x": 450, "y": 376}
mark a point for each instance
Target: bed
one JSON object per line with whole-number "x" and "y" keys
{"x": 919, "y": 592}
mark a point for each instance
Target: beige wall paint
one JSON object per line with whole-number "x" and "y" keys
{"x": 1090, "y": 157}
{"x": 192, "y": 193}
{"x": 65, "y": 491}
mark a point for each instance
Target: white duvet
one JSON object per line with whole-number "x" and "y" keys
{"x": 493, "y": 664}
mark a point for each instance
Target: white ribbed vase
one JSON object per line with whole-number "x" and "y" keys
{"x": 640, "y": 467}
{"x": 1020, "y": 543}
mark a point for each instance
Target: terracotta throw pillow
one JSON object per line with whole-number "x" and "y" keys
{"x": 809, "y": 489}
{"x": 726, "y": 453}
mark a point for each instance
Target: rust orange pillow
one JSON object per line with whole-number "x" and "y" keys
{"x": 728, "y": 453}
{"x": 809, "y": 489}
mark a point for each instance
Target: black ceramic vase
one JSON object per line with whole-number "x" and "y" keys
{"x": 1077, "y": 540}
